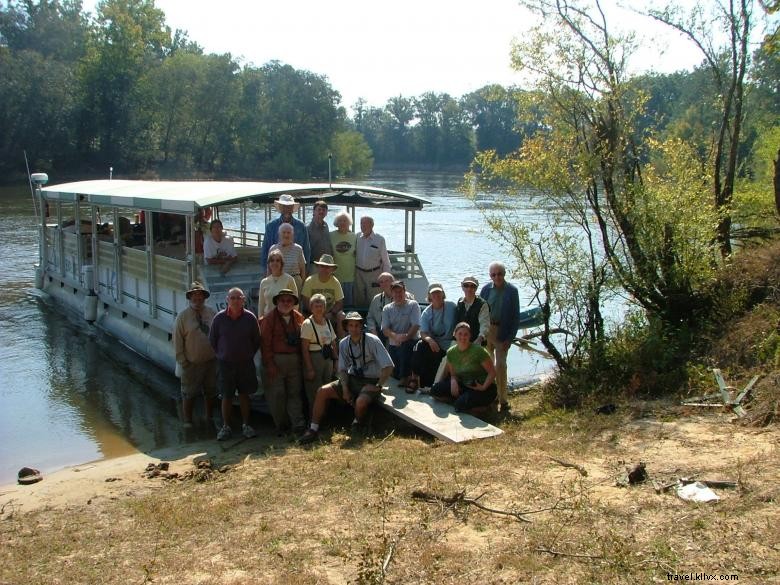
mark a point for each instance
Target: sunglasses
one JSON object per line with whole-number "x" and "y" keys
{"x": 469, "y": 285}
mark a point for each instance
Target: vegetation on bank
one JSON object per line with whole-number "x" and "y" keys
{"x": 657, "y": 216}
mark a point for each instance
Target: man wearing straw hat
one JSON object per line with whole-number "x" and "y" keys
{"x": 286, "y": 205}
{"x": 363, "y": 368}
{"x": 280, "y": 342}
{"x": 329, "y": 286}
{"x": 194, "y": 354}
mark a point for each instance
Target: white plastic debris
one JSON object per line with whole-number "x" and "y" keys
{"x": 697, "y": 492}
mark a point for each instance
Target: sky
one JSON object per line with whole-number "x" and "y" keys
{"x": 378, "y": 50}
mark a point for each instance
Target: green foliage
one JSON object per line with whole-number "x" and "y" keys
{"x": 676, "y": 219}
{"x": 639, "y": 358}
{"x": 81, "y": 94}
{"x": 351, "y": 154}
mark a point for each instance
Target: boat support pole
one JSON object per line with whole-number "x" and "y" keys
{"x": 150, "y": 273}
{"x": 188, "y": 253}
{"x": 43, "y": 252}
{"x": 95, "y": 264}
{"x": 118, "y": 267}
{"x": 77, "y": 274}
{"x": 60, "y": 240}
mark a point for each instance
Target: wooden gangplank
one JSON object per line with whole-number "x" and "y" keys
{"x": 435, "y": 417}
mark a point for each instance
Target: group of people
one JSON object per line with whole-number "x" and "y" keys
{"x": 313, "y": 352}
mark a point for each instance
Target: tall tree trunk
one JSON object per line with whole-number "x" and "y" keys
{"x": 777, "y": 182}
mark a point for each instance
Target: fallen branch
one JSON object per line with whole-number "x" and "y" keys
{"x": 460, "y": 498}
{"x": 558, "y": 553}
{"x": 388, "y": 556}
{"x": 711, "y": 483}
{"x": 379, "y": 444}
{"x": 580, "y": 468}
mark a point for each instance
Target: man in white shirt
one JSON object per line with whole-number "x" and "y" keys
{"x": 371, "y": 260}
{"x": 218, "y": 248}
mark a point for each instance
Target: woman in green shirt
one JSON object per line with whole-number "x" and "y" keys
{"x": 470, "y": 373}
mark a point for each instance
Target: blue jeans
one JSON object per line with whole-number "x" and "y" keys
{"x": 402, "y": 358}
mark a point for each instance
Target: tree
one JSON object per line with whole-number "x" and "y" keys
{"x": 55, "y": 29}
{"x": 40, "y": 44}
{"x": 587, "y": 162}
{"x": 728, "y": 66}
{"x": 351, "y": 154}
{"x": 493, "y": 112}
{"x": 131, "y": 38}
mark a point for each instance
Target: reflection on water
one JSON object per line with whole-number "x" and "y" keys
{"x": 71, "y": 394}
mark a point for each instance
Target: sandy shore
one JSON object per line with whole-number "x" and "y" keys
{"x": 106, "y": 478}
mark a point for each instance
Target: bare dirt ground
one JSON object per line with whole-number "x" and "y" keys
{"x": 399, "y": 507}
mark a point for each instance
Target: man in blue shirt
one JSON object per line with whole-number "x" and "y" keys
{"x": 504, "y": 302}
{"x": 286, "y": 205}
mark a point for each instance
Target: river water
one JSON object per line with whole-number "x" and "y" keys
{"x": 70, "y": 394}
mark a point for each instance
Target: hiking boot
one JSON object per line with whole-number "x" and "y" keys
{"x": 505, "y": 407}
{"x": 224, "y": 433}
{"x": 308, "y": 437}
{"x": 248, "y": 432}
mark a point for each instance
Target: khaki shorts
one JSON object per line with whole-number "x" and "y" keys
{"x": 355, "y": 386}
{"x": 197, "y": 379}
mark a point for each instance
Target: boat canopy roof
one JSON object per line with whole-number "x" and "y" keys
{"x": 188, "y": 196}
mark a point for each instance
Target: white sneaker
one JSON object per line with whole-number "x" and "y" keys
{"x": 248, "y": 432}
{"x": 224, "y": 433}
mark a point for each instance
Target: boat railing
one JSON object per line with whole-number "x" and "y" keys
{"x": 245, "y": 237}
{"x": 248, "y": 255}
{"x": 122, "y": 275}
{"x": 406, "y": 266}
{"x": 69, "y": 259}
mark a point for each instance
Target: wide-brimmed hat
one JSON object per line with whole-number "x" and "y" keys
{"x": 469, "y": 279}
{"x": 197, "y": 287}
{"x": 286, "y": 200}
{"x": 434, "y": 286}
{"x": 352, "y": 316}
{"x": 285, "y": 292}
{"x": 325, "y": 260}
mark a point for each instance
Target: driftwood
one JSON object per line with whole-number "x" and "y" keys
{"x": 459, "y": 498}
{"x": 580, "y": 468}
{"x": 558, "y": 553}
{"x": 711, "y": 483}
